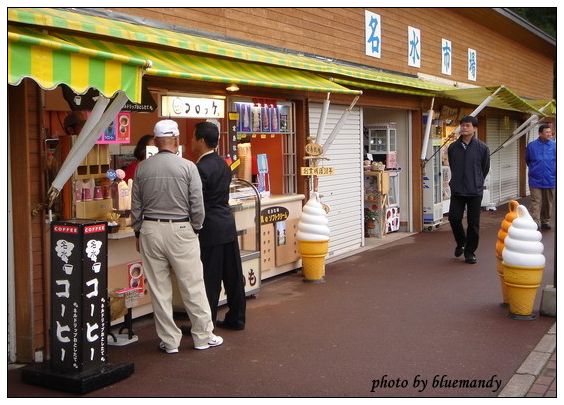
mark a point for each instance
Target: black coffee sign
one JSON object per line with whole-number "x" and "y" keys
{"x": 78, "y": 295}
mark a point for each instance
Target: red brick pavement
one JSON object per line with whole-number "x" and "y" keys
{"x": 545, "y": 384}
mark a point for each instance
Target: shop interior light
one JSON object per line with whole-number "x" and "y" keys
{"x": 232, "y": 87}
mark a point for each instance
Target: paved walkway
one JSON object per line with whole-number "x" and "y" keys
{"x": 407, "y": 314}
{"x": 537, "y": 375}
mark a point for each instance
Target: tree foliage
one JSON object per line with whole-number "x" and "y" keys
{"x": 543, "y": 18}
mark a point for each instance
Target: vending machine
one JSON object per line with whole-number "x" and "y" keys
{"x": 432, "y": 187}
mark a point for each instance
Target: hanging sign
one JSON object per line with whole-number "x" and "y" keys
{"x": 317, "y": 171}
{"x": 192, "y": 107}
{"x": 314, "y": 149}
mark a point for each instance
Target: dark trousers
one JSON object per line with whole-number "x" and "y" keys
{"x": 470, "y": 238}
{"x": 223, "y": 263}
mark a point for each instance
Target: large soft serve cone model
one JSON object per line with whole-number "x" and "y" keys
{"x": 523, "y": 264}
{"x": 313, "y": 239}
{"x": 500, "y": 244}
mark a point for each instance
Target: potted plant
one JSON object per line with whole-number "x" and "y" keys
{"x": 371, "y": 217}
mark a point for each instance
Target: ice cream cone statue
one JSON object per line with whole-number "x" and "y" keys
{"x": 505, "y": 224}
{"x": 523, "y": 264}
{"x": 313, "y": 239}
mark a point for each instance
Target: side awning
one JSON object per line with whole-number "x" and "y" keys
{"x": 547, "y": 107}
{"x": 50, "y": 61}
{"x": 503, "y": 98}
{"x": 402, "y": 88}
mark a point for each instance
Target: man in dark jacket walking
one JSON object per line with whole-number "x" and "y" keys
{"x": 540, "y": 156}
{"x": 219, "y": 246}
{"x": 469, "y": 161}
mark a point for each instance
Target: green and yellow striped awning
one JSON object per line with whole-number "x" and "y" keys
{"x": 191, "y": 56}
{"x": 402, "y": 89}
{"x": 505, "y": 98}
{"x": 176, "y": 64}
{"x": 547, "y": 107}
{"x": 184, "y": 42}
{"x": 51, "y": 61}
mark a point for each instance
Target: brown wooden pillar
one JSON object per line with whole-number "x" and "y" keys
{"x": 417, "y": 186}
{"x": 21, "y": 211}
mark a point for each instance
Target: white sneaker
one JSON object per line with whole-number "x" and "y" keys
{"x": 214, "y": 341}
{"x": 163, "y": 348}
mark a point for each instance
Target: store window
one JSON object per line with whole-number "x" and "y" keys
{"x": 262, "y": 137}
{"x": 382, "y": 140}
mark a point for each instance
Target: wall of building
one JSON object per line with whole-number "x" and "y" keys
{"x": 504, "y": 56}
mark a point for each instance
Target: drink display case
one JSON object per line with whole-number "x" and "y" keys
{"x": 245, "y": 205}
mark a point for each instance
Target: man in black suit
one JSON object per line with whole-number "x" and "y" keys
{"x": 219, "y": 246}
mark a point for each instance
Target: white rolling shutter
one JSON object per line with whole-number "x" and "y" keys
{"x": 504, "y": 166}
{"x": 342, "y": 191}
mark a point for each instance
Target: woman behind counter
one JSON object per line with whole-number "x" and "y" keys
{"x": 140, "y": 154}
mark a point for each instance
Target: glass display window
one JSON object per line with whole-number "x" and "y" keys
{"x": 264, "y": 126}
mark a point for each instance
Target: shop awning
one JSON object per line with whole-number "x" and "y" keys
{"x": 51, "y": 61}
{"x": 384, "y": 86}
{"x": 547, "y": 107}
{"x": 176, "y": 64}
{"x": 209, "y": 47}
{"x": 504, "y": 98}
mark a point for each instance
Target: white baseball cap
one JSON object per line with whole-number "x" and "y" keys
{"x": 165, "y": 128}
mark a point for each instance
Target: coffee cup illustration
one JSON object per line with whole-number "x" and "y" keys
{"x": 67, "y": 268}
{"x": 96, "y": 267}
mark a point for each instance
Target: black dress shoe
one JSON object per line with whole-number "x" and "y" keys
{"x": 458, "y": 251}
{"x": 227, "y": 325}
{"x": 470, "y": 259}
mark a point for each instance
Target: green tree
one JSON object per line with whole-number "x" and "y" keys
{"x": 543, "y": 18}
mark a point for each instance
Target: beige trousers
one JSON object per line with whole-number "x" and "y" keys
{"x": 167, "y": 247}
{"x": 541, "y": 204}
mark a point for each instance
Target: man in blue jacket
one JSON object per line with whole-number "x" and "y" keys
{"x": 540, "y": 156}
{"x": 469, "y": 161}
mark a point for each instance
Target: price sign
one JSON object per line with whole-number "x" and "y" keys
{"x": 273, "y": 214}
{"x": 317, "y": 171}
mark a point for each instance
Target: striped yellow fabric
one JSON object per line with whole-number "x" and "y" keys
{"x": 51, "y": 61}
{"x": 548, "y": 107}
{"x": 385, "y": 87}
{"x": 213, "y": 69}
{"x": 61, "y": 19}
{"x": 505, "y": 98}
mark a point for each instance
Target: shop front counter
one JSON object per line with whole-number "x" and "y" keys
{"x": 279, "y": 216}
{"x": 125, "y": 270}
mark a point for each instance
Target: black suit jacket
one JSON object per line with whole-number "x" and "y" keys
{"x": 219, "y": 223}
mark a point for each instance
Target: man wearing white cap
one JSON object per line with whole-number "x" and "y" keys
{"x": 167, "y": 211}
